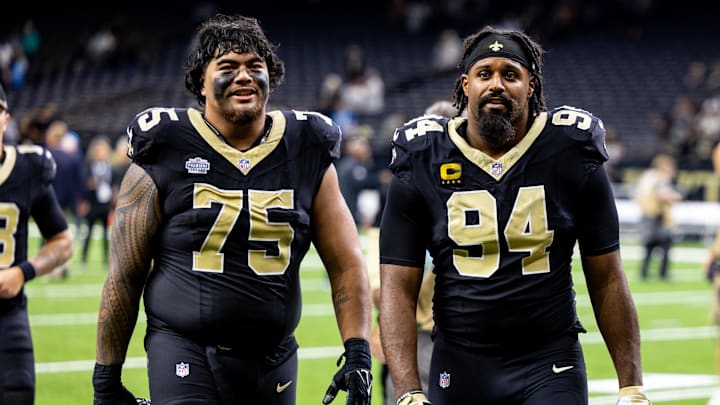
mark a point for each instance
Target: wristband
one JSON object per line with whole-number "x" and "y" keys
{"x": 28, "y": 270}
{"x": 407, "y": 398}
{"x": 631, "y": 390}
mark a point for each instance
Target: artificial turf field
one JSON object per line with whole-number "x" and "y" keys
{"x": 678, "y": 348}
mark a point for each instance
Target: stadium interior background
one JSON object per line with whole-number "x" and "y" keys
{"x": 649, "y": 68}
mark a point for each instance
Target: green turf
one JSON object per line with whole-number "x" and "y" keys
{"x": 63, "y": 314}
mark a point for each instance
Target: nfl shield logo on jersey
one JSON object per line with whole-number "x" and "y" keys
{"x": 444, "y": 380}
{"x": 244, "y": 165}
{"x": 496, "y": 168}
{"x": 182, "y": 370}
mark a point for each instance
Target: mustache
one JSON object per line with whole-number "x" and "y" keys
{"x": 506, "y": 101}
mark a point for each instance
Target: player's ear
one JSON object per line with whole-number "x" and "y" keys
{"x": 531, "y": 87}
{"x": 464, "y": 82}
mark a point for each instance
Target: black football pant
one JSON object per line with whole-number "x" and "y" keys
{"x": 553, "y": 374}
{"x": 17, "y": 362}
{"x": 181, "y": 371}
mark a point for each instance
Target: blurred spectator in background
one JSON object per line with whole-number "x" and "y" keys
{"x": 101, "y": 47}
{"x": 713, "y": 78}
{"x": 695, "y": 76}
{"x": 68, "y": 183}
{"x": 447, "y": 51}
{"x": 34, "y": 125}
{"x": 616, "y": 151}
{"x": 6, "y": 55}
{"x": 363, "y": 89}
{"x": 443, "y": 108}
{"x": 681, "y": 132}
{"x": 17, "y": 67}
{"x": 382, "y": 148}
{"x": 120, "y": 160}
{"x": 712, "y": 271}
{"x": 355, "y": 174}
{"x": 655, "y": 195}
{"x": 417, "y": 13}
{"x": 98, "y": 192}
{"x": 707, "y": 127}
{"x": 331, "y": 103}
{"x": 30, "y": 40}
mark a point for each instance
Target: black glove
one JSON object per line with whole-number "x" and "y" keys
{"x": 108, "y": 388}
{"x": 354, "y": 377}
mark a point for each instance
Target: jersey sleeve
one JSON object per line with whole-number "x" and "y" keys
{"x": 45, "y": 208}
{"x": 323, "y": 131}
{"x": 412, "y": 137}
{"x": 585, "y": 129}
{"x": 403, "y": 228}
{"x": 598, "y": 224}
{"x": 47, "y": 213}
{"x": 41, "y": 161}
{"x": 147, "y": 133}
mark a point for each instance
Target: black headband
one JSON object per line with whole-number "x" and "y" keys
{"x": 500, "y": 45}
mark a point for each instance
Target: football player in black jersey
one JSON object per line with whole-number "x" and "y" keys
{"x": 26, "y": 175}
{"x": 500, "y": 199}
{"x": 213, "y": 219}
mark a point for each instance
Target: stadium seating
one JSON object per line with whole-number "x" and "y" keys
{"x": 623, "y": 82}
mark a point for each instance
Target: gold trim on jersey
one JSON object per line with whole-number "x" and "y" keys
{"x": 253, "y": 156}
{"x": 496, "y": 167}
{"x": 8, "y": 164}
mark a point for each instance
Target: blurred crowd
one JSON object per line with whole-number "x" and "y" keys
{"x": 88, "y": 173}
{"x": 691, "y": 128}
{"x": 688, "y": 131}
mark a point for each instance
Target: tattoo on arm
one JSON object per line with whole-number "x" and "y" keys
{"x": 137, "y": 219}
{"x": 56, "y": 252}
{"x": 340, "y": 298}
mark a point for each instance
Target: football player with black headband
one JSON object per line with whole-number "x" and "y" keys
{"x": 213, "y": 219}
{"x": 26, "y": 175}
{"x": 500, "y": 199}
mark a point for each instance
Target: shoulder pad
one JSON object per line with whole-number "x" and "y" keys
{"x": 41, "y": 160}
{"x": 150, "y": 129}
{"x": 581, "y": 126}
{"x": 415, "y": 135}
{"x": 318, "y": 128}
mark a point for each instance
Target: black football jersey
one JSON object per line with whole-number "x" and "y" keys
{"x": 502, "y": 231}
{"x": 236, "y": 225}
{"x": 26, "y": 175}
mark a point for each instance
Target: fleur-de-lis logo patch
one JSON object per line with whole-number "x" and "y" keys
{"x": 496, "y": 46}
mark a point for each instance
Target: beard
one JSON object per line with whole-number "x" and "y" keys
{"x": 243, "y": 115}
{"x": 498, "y": 128}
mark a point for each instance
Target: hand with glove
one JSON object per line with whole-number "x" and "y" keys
{"x": 108, "y": 388}
{"x": 633, "y": 395}
{"x": 413, "y": 397}
{"x": 354, "y": 376}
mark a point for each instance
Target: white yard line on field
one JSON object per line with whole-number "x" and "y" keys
{"x": 685, "y": 297}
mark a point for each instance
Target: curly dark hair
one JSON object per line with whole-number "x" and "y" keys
{"x": 533, "y": 49}
{"x": 221, "y": 35}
